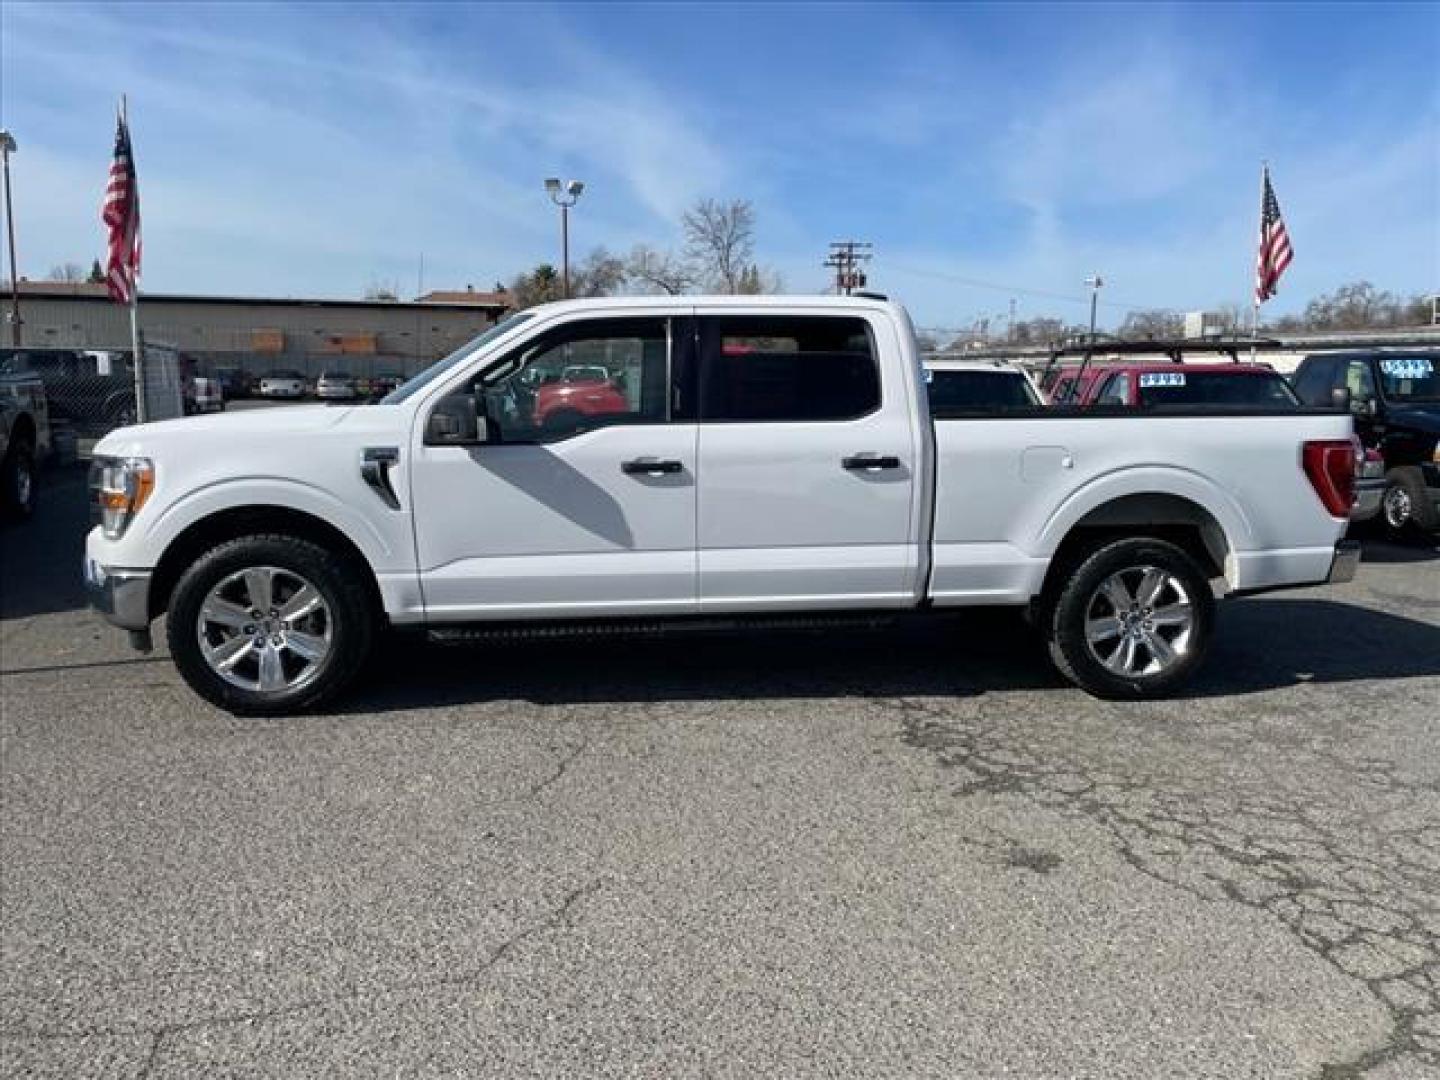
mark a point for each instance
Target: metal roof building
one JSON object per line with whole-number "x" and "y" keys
{"x": 363, "y": 337}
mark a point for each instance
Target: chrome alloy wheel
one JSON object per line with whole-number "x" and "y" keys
{"x": 1397, "y": 507}
{"x": 265, "y": 629}
{"x": 1139, "y": 621}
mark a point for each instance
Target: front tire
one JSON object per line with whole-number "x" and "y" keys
{"x": 1134, "y": 620}
{"x": 17, "y": 480}
{"x": 270, "y": 625}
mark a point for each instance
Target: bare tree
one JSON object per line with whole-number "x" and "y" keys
{"x": 97, "y": 276}
{"x": 71, "y": 273}
{"x": 599, "y": 274}
{"x": 1153, "y": 323}
{"x": 720, "y": 241}
{"x": 651, "y": 269}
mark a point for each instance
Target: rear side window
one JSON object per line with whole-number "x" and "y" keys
{"x": 787, "y": 368}
{"x": 965, "y": 392}
{"x": 1216, "y": 388}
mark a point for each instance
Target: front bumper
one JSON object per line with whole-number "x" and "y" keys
{"x": 121, "y": 596}
{"x": 1431, "y": 472}
{"x": 1345, "y": 563}
{"x": 1369, "y": 492}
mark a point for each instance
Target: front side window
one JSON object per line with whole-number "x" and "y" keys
{"x": 787, "y": 368}
{"x": 580, "y": 377}
{"x": 1359, "y": 381}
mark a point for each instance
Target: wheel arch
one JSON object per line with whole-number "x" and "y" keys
{"x": 22, "y": 428}
{"x": 215, "y": 528}
{"x": 1164, "y": 515}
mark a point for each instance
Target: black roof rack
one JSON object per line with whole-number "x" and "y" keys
{"x": 1087, "y": 346}
{"x": 871, "y": 295}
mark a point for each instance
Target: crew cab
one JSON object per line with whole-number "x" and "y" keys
{"x": 776, "y": 457}
{"x": 1395, "y": 398}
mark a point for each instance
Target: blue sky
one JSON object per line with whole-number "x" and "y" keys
{"x": 986, "y": 151}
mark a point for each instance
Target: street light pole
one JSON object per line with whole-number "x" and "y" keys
{"x": 564, "y": 196}
{"x": 1096, "y": 283}
{"x": 8, "y": 147}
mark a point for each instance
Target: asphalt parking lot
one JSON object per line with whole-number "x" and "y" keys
{"x": 854, "y": 853}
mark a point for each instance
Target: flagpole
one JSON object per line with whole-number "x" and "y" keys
{"x": 1254, "y": 290}
{"x": 135, "y": 350}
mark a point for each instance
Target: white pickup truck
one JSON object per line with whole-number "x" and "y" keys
{"x": 692, "y": 459}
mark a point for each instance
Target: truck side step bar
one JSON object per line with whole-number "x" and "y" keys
{"x": 469, "y": 633}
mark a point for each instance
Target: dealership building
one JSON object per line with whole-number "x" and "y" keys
{"x": 260, "y": 334}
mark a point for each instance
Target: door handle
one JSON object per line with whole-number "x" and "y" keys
{"x": 650, "y": 467}
{"x": 871, "y": 461}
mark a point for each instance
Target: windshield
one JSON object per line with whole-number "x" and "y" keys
{"x": 1215, "y": 388}
{"x": 978, "y": 391}
{"x": 442, "y": 367}
{"x": 1410, "y": 378}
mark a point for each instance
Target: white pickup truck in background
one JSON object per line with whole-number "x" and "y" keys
{"x": 698, "y": 459}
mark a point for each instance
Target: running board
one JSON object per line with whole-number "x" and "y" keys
{"x": 467, "y": 633}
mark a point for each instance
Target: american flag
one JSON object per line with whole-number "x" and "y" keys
{"x": 121, "y": 215}
{"x": 1275, "y": 250}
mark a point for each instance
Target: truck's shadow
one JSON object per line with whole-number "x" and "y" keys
{"x": 1261, "y": 644}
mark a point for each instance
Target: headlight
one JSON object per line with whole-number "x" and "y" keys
{"x": 119, "y": 487}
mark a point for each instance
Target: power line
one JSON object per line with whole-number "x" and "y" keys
{"x": 977, "y": 283}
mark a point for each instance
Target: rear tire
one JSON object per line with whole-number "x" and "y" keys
{"x": 18, "y": 480}
{"x": 248, "y": 637}
{"x": 1133, "y": 620}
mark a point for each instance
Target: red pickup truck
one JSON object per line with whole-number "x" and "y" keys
{"x": 1106, "y": 375}
{"x": 1175, "y": 384}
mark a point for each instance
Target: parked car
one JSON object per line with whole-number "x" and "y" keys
{"x": 977, "y": 387}
{"x": 583, "y": 392}
{"x": 335, "y": 386}
{"x": 1188, "y": 386}
{"x": 282, "y": 384}
{"x": 206, "y": 395}
{"x": 24, "y": 434}
{"x": 799, "y": 473}
{"x": 1158, "y": 373}
{"x": 235, "y": 383}
{"x": 1394, "y": 397}
{"x": 384, "y": 383}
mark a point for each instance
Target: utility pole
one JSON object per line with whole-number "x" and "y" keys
{"x": 1010, "y": 325}
{"x": 7, "y": 147}
{"x": 845, "y": 258}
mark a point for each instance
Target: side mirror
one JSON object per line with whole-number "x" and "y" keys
{"x": 453, "y": 422}
{"x": 1340, "y": 398}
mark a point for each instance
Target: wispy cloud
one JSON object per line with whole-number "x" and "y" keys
{"x": 311, "y": 149}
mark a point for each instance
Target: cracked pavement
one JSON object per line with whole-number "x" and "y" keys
{"x": 898, "y": 852}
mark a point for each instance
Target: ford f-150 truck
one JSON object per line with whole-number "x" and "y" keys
{"x": 775, "y": 456}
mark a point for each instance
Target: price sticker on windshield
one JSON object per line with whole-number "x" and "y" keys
{"x": 1151, "y": 379}
{"x": 1408, "y": 367}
